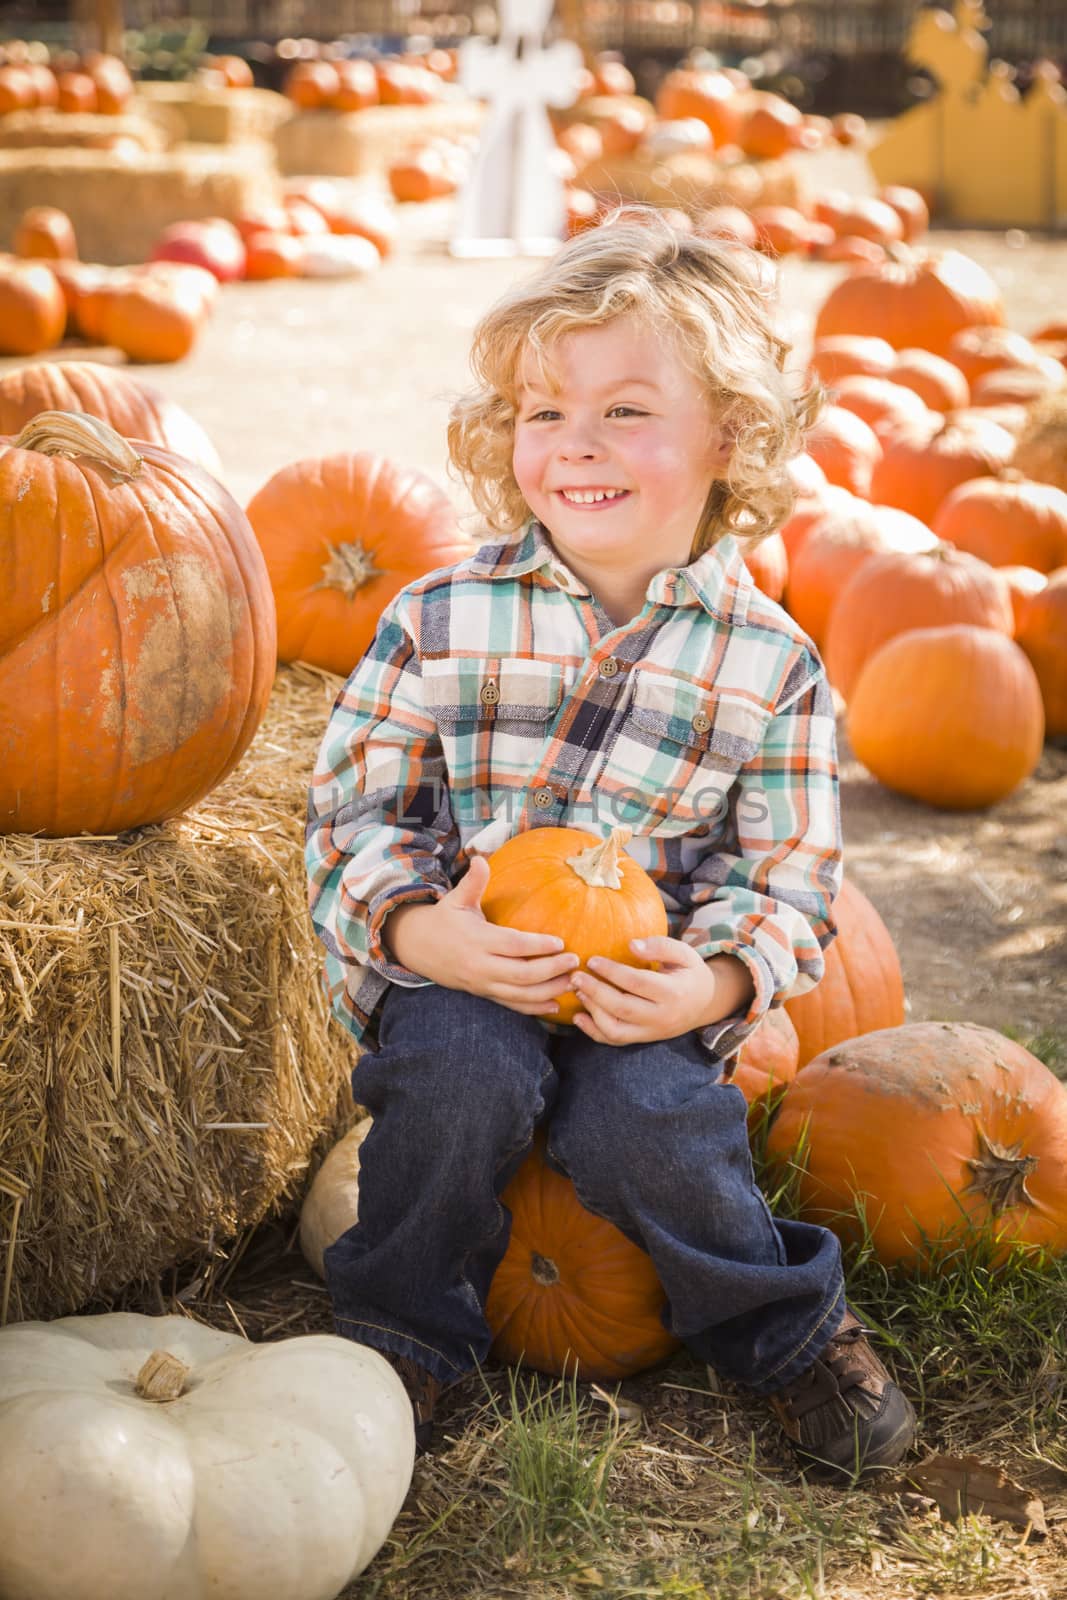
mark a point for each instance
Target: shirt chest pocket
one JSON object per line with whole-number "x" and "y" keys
{"x": 493, "y": 714}
{"x": 680, "y": 749}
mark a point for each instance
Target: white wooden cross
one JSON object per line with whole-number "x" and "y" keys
{"x": 513, "y": 201}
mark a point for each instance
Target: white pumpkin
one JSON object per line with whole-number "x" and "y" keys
{"x": 337, "y": 255}
{"x": 332, "y": 1203}
{"x": 151, "y": 1458}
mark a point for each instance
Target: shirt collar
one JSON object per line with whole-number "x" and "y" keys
{"x": 716, "y": 580}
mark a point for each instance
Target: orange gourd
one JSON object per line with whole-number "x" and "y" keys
{"x": 921, "y": 465}
{"x": 572, "y": 1292}
{"x": 837, "y": 545}
{"x": 46, "y": 234}
{"x": 341, "y": 535}
{"x": 768, "y": 1062}
{"x": 33, "y": 309}
{"x": 938, "y": 1129}
{"x": 894, "y": 593}
{"x": 862, "y": 987}
{"x": 1043, "y": 636}
{"x": 951, "y": 716}
{"x": 136, "y": 630}
{"x": 922, "y": 300}
{"x": 1008, "y": 521}
{"x": 580, "y": 886}
{"x": 133, "y": 408}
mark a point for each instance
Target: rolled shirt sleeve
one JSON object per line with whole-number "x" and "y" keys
{"x": 764, "y": 890}
{"x": 380, "y": 830}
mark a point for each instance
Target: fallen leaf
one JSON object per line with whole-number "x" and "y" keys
{"x": 964, "y": 1484}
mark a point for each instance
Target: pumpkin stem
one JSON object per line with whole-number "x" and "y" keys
{"x": 545, "y": 1272}
{"x": 347, "y": 567}
{"x": 75, "y": 433}
{"x": 599, "y": 865}
{"x": 1000, "y": 1174}
{"x": 162, "y": 1377}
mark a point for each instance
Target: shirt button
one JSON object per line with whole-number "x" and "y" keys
{"x": 608, "y": 667}
{"x": 490, "y": 694}
{"x": 543, "y": 798}
{"x": 701, "y": 723}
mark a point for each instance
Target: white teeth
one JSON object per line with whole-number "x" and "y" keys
{"x": 589, "y": 497}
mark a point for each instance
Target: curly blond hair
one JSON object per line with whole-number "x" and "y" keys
{"x": 712, "y": 297}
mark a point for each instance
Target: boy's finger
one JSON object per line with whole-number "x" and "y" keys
{"x": 633, "y": 980}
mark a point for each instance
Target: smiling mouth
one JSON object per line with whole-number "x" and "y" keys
{"x": 591, "y": 497}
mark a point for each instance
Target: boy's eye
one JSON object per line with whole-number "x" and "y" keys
{"x": 542, "y": 416}
{"x": 626, "y": 411}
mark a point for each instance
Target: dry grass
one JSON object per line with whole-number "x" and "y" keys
{"x": 166, "y": 1064}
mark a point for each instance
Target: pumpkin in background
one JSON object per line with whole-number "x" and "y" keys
{"x": 341, "y": 535}
{"x": 1023, "y": 583}
{"x": 809, "y": 511}
{"x": 895, "y": 592}
{"x": 862, "y": 987}
{"x": 76, "y": 92}
{"x": 848, "y": 355}
{"x": 857, "y": 216}
{"x": 46, "y": 233}
{"x": 572, "y": 1292}
{"x": 770, "y": 128}
{"x": 1007, "y": 521}
{"x": 768, "y": 565}
{"x": 845, "y": 448}
{"x": 80, "y": 283}
{"x": 708, "y": 95}
{"x": 923, "y": 300}
{"x": 909, "y": 206}
{"x": 780, "y": 230}
{"x": 767, "y": 1063}
{"x": 423, "y": 176}
{"x": 1041, "y": 451}
{"x": 149, "y": 319}
{"x": 1043, "y": 636}
{"x": 311, "y": 85}
{"x": 193, "y": 1461}
{"x": 937, "y": 1128}
{"x": 571, "y": 1288}
{"x": 1019, "y": 385}
{"x": 934, "y": 379}
{"x": 272, "y": 255}
{"x": 977, "y": 351}
{"x": 132, "y": 407}
{"x": 33, "y": 310}
{"x": 951, "y": 716}
{"x": 882, "y": 403}
{"x": 136, "y": 630}
{"x": 836, "y": 546}
{"x": 215, "y": 245}
{"x": 921, "y": 465}
{"x": 582, "y": 887}
{"x": 727, "y": 222}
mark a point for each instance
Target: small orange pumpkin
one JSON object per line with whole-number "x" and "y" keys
{"x": 921, "y": 465}
{"x": 845, "y": 448}
{"x": 580, "y": 886}
{"x": 709, "y": 96}
{"x": 1008, "y": 521}
{"x": 768, "y": 1062}
{"x": 836, "y": 546}
{"x": 33, "y": 308}
{"x": 572, "y": 1292}
{"x": 951, "y": 716}
{"x": 983, "y": 1124}
{"x": 1024, "y": 583}
{"x": 934, "y": 379}
{"x": 882, "y": 403}
{"x": 46, "y": 234}
{"x": 1043, "y": 636}
{"x": 149, "y": 319}
{"x": 341, "y": 535}
{"x": 923, "y": 300}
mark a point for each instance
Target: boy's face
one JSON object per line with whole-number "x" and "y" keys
{"x": 631, "y": 419}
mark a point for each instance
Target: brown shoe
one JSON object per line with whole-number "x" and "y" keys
{"x": 424, "y": 1390}
{"x": 845, "y": 1413}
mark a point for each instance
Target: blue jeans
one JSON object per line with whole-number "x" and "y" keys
{"x": 649, "y": 1136}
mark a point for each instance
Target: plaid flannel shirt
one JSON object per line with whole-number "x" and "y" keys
{"x": 497, "y": 695}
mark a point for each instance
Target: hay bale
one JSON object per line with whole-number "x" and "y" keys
{"x": 352, "y": 144}
{"x": 693, "y": 181}
{"x": 167, "y": 1064}
{"x": 120, "y": 204}
{"x": 50, "y": 130}
{"x": 208, "y": 115}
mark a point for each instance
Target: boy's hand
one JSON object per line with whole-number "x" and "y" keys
{"x": 630, "y": 1005}
{"x": 452, "y": 943}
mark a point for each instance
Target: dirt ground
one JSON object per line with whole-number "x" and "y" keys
{"x": 977, "y": 903}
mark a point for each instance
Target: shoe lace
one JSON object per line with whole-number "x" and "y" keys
{"x": 833, "y": 1374}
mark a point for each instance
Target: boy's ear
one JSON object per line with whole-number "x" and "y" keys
{"x": 720, "y": 448}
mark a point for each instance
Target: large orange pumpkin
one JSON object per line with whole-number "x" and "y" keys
{"x": 923, "y": 300}
{"x": 951, "y": 716}
{"x": 572, "y": 1292}
{"x": 937, "y": 1129}
{"x": 341, "y": 536}
{"x": 835, "y": 547}
{"x": 133, "y": 408}
{"x": 1043, "y": 636}
{"x": 136, "y": 630}
{"x": 1008, "y": 521}
{"x": 862, "y": 987}
{"x": 583, "y": 888}
{"x": 895, "y": 592}
{"x": 921, "y": 465}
